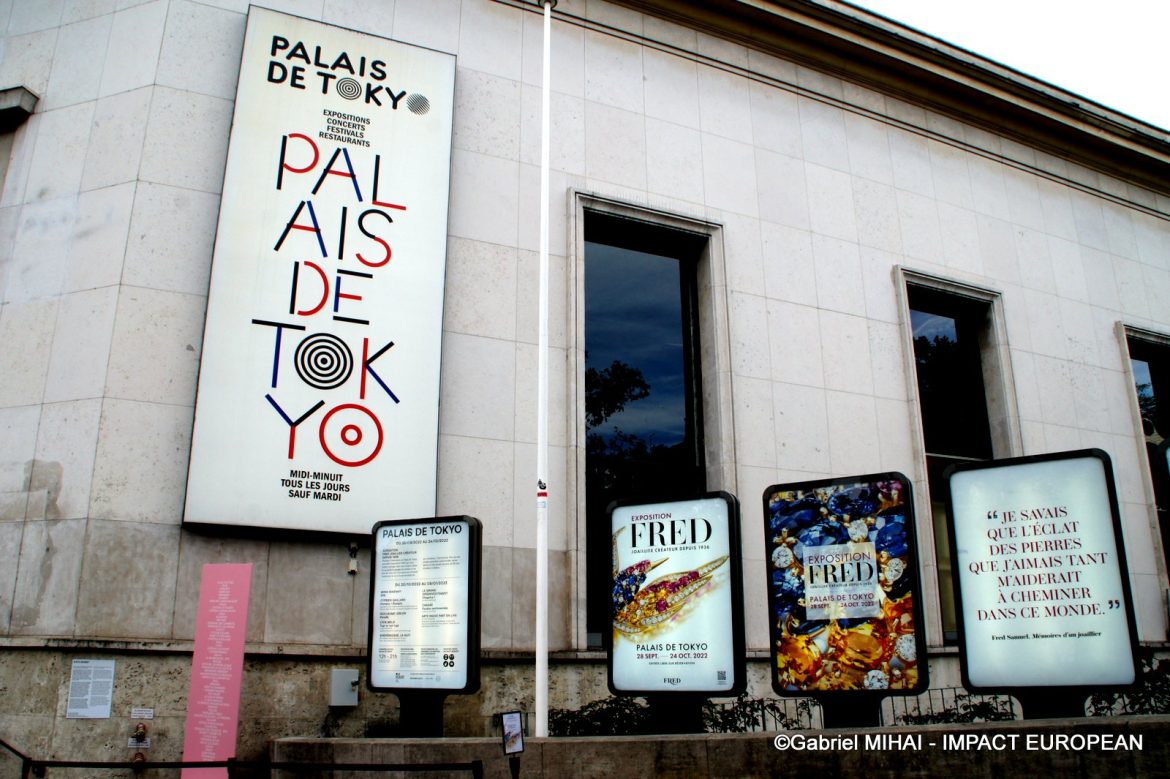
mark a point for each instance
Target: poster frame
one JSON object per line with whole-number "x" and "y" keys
{"x": 268, "y": 508}
{"x": 473, "y": 603}
{"x": 1118, "y": 550}
{"x": 738, "y": 662}
{"x": 846, "y": 698}
{"x": 512, "y": 732}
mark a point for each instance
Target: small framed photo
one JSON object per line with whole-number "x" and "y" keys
{"x": 513, "y": 729}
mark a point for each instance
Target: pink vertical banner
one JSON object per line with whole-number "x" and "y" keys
{"x": 217, "y": 669}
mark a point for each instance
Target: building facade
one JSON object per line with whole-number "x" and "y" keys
{"x": 832, "y": 194}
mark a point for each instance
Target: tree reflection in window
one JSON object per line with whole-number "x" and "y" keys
{"x": 642, "y": 421}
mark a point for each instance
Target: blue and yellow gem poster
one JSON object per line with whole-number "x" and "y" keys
{"x": 842, "y": 584}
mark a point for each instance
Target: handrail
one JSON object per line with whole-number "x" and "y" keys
{"x": 13, "y": 750}
{"x": 37, "y": 768}
{"x": 475, "y": 766}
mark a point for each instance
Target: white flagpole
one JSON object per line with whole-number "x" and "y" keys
{"x": 542, "y": 400}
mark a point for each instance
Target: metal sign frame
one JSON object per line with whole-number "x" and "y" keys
{"x": 867, "y": 524}
{"x": 1039, "y": 475}
{"x": 385, "y": 569}
{"x": 681, "y": 593}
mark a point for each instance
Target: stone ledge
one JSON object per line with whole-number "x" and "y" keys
{"x": 907, "y": 753}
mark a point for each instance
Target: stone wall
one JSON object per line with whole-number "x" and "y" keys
{"x": 282, "y": 696}
{"x": 285, "y": 702}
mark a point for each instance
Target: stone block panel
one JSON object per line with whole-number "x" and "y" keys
{"x": 127, "y": 588}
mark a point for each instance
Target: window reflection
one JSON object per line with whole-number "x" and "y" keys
{"x": 643, "y": 439}
{"x": 1151, "y": 375}
{"x": 947, "y": 331}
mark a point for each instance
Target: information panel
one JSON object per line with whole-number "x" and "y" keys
{"x": 1040, "y": 573}
{"x": 91, "y": 689}
{"x": 425, "y": 605}
{"x": 677, "y": 598}
{"x": 844, "y": 606}
{"x": 319, "y": 378}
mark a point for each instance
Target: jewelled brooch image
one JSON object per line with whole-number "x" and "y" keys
{"x": 639, "y": 607}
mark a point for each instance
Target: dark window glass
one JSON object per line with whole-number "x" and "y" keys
{"x": 1151, "y": 374}
{"x": 643, "y": 417}
{"x": 947, "y": 331}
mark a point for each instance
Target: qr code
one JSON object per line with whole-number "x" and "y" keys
{"x": 721, "y": 676}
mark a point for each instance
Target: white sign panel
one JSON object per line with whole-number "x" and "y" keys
{"x": 91, "y": 689}
{"x": 319, "y": 382}
{"x": 674, "y": 601}
{"x": 424, "y": 624}
{"x": 1040, "y": 579}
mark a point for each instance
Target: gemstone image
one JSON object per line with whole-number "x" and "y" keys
{"x": 794, "y": 516}
{"x": 820, "y": 534}
{"x": 662, "y": 598}
{"x": 627, "y": 583}
{"x": 783, "y": 557}
{"x": 891, "y": 538}
{"x": 788, "y": 588}
{"x": 872, "y": 652}
{"x": 858, "y": 530}
{"x": 856, "y": 502}
{"x": 894, "y": 569}
{"x": 905, "y": 648}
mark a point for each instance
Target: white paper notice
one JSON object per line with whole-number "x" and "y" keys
{"x": 91, "y": 689}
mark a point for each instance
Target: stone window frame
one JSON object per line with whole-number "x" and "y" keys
{"x": 714, "y": 361}
{"x": 1002, "y": 414}
{"x": 1124, "y": 334}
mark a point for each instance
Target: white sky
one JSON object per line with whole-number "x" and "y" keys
{"x": 1113, "y": 52}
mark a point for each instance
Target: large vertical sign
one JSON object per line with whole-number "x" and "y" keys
{"x": 319, "y": 382}
{"x": 843, "y": 596}
{"x": 677, "y": 598}
{"x": 217, "y": 668}
{"x": 425, "y": 605}
{"x": 1040, "y": 573}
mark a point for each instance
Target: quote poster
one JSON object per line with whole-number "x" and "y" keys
{"x": 1040, "y": 573}
{"x": 319, "y": 378}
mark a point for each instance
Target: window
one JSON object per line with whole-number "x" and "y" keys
{"x": 1150, "y": 362}
{"x": 16, "y": 105}
{"x": 643, "y": 404}
{"x": 965, "y": 404}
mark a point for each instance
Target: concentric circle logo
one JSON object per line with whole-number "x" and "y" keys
{"x": 418, "y": 104}
{"x": 323, "y": 361}
{"x": 349, "y": 88}
{"x": 353, "y": 431}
